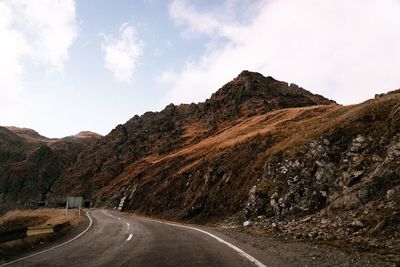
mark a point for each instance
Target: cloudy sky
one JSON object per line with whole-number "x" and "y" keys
{"x": 67, "y": 66}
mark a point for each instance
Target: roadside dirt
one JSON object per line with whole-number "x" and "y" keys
{"x": 313, "y": 253}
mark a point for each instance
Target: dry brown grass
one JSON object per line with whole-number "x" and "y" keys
{"x": 291, "y": 128}
{"x": 26, "y": 218}
{"x": 16, "y": 219}
{"x": 282, "y": 123}
{"x": 284, "y": 130}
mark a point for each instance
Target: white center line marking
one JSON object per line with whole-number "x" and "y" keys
{"x": 127, "y": 224}
{"x": 129, "y": 237}
{"x": 112, "y": 216}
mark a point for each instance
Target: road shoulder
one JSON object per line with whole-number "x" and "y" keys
{"x": 279, "y": 252}
{"x": 14, "y": 250}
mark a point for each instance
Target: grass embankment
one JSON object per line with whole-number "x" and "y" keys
{"x": 18, "y": 219}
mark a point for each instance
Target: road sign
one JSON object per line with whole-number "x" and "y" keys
{"x": 73, "y": 202}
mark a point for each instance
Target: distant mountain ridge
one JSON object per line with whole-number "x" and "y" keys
{"x": 31, "y": 135}
{"x": 30, "y": 163}
{"x": 27, "y": 134}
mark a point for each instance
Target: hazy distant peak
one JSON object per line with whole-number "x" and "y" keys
{"x": 88, "y": 134}
{"x": 28, "y": 134}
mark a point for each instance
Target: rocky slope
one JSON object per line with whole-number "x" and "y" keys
{"x": 342, "y": 184}
{"x": 259, "y": 153}
{"x": 31, "y": 163}
{"x": 29, "y": 135}
{"x": 150, "y": 138}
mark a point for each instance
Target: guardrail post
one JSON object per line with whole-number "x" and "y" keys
{"x": 66, "y": 207}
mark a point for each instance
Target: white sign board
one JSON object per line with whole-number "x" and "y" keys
{"x": 74, "y": 202}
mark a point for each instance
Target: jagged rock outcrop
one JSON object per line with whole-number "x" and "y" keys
{"x": 341, "y": 185}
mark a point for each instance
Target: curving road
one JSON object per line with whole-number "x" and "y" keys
{"x": 125, "y": 241}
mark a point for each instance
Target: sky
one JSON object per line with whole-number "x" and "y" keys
{"x": 73, "y": 65}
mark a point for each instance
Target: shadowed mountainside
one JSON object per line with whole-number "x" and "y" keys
{"x": 31, "y": 163}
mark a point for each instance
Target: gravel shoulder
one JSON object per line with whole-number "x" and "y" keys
{"x": 311, "y": 253}
{"x": 281, "y": 251}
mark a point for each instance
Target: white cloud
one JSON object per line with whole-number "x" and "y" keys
{"x": 184, "y": 14}
{"x": 346, "y": 50}
{"x": 42, "y": 31}
{"x": 121, "y": 54}
{"x": 220, "y": 21}
{"x": 46, "y": 29}
{"x": 12, "y": 48}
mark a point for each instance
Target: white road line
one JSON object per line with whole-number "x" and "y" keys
{"x": 129, "y": 237}
{"x": 110, "y": 215}
{"x": 59, "y": 245}
{"x": 127, "y": 224}
{"x": 238, "y": 250}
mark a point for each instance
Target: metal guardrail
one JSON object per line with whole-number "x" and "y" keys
{"x": 31, "y": 231}
{"x": 40, "y": 230}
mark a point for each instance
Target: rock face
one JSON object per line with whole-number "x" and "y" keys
{"x": 31, "y": 163}
{"x": 341, "y": 185}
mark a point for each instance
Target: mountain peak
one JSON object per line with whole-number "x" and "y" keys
{"x": 253, "y": 93}
{"x": 253, "y": 75}
{"x": 245, "y": 73}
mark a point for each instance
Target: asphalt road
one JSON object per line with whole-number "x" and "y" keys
{"x": 113, "y": 240}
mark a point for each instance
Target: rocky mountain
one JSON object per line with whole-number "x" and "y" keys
{"x": 31, "y": 163}
{"x": 157, "y": 135}
{"x": 259, "y": 153}
{"x": 11, "y": 146}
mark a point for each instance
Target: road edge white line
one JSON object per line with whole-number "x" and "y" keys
{"x": 129, "y": 237}
{"x": 238, "y": 250}
{"x": 57, "y": 246}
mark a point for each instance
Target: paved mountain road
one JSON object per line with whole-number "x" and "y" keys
{"x": 125, "y": 241}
